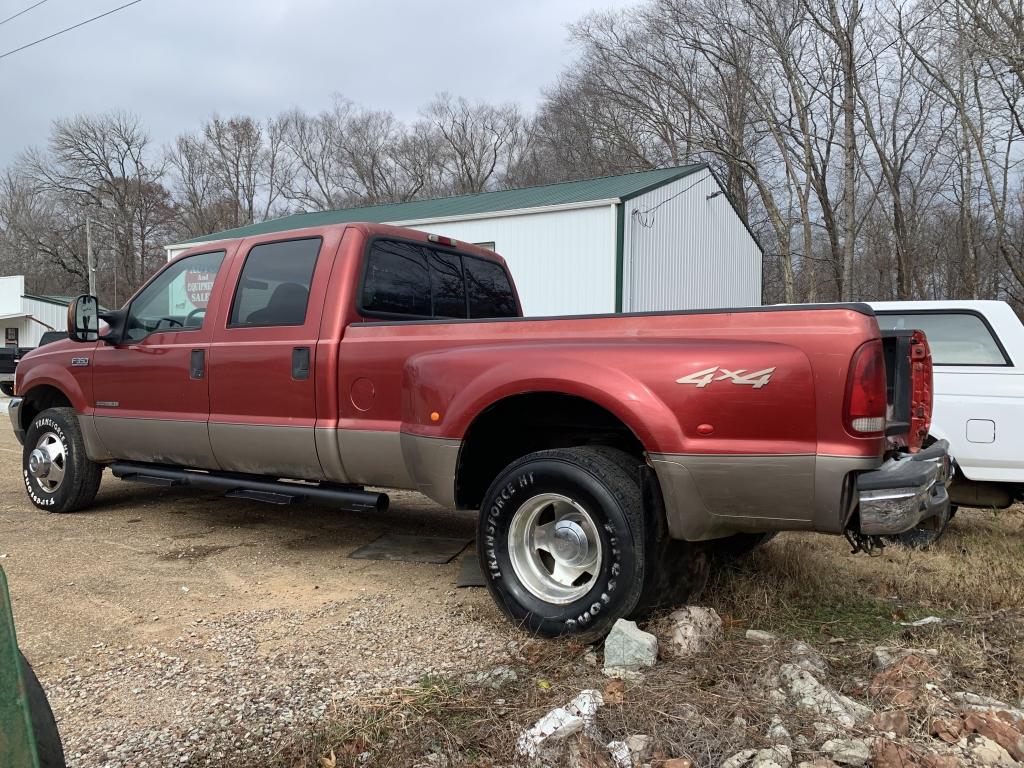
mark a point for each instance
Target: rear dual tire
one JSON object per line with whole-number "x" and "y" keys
{"x": 567, "y": 544}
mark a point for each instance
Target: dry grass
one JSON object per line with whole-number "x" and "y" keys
{"x": 800, "y": 586}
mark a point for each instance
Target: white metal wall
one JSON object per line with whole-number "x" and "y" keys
{"x": 691, "y": 253}
{"x": 11, "y": 289}
{"x": 53, "y": 315}
{"x": 563, "y": 262}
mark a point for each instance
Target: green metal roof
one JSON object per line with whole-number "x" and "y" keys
{"x": 565, "y": 193}
{"x": 61, "y": 300}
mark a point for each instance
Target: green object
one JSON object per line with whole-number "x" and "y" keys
{"x": 17, "y": 742}
{"x": 610, "y": 188}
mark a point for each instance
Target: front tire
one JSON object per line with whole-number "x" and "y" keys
{"x": 561, "y": 542}
{"x": 58, "y": 475}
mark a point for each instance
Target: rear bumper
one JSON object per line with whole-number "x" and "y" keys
{"x": 14, "y": 411}
{"x": 904, "y": 491}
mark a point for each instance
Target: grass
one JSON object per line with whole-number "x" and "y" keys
{"x": 800, "y": 586}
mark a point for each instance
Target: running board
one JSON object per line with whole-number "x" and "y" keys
{"x": 252, "y": 487}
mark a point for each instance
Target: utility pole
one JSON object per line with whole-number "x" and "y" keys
{"x": 90, "y": 267}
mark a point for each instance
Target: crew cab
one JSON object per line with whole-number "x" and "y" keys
{"x": 978, "y": 356}
{"x": 603, "y": 453}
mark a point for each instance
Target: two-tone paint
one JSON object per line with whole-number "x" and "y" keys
{"x": 389, "y": 403}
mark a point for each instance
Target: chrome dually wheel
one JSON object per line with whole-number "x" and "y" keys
{"x": 48, "y": 461}
{"x": 555, "y": 548}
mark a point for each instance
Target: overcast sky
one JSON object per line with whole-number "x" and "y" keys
{"x": 175, "y": 62}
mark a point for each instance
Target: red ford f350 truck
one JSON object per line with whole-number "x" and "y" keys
{"x": 603, "y": 452}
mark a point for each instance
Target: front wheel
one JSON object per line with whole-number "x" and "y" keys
{"x": 561, "y": 542}
{"x": 58, "y": 475}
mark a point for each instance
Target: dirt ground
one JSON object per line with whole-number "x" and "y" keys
{"x": 120, "y": 607}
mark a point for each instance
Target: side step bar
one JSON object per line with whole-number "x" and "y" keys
{"x": 252, "y": 487}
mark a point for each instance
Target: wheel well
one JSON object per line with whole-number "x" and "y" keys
{"x": 38, "y": 399}
{"x": 522, "y": 424}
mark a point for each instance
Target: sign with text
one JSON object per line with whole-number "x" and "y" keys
{"x": 198, "y": 286}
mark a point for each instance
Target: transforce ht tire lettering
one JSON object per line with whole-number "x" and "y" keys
{"x": 58, "y": 475}
{"x": 560, "y": 541}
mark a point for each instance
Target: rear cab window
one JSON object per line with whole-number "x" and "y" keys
{"x": 411, "y": 281}
{"x": 955, "y": 338}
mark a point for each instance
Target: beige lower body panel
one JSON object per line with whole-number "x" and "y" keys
{"x": 432, "y": 463}
{"x": 264, "y": 449}
{"x": 708, "y": 497}
{"x": 158, "y": 441}
{"x": 391, "y": 460}
{"x": 94, "y": 447}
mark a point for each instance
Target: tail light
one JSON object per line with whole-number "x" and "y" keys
{"x": 865, "y": 391}
{"x": 922, "y": 396}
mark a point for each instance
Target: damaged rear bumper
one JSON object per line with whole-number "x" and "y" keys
{"x": 904, "y": 491}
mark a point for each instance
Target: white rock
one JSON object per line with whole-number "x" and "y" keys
{"x": 585, "y": 705}
{"x": 807, "y": 693}
{"x": 740, "y": 759}
{"x": 553, "y": 727}
{"x": 987, "y": 752}
{"x": 620, "y": 753}
{"x": 760, "y": 636}
{"x": 779, "y": 756}
{"x": 847, "y": 751}
{"x": 641, "y": 747}
{"x": 623, "y": 673}
{"x": 808, "y": 659}
{"x": 778, "y": 734}
{"x": 695, "y": 629}
{"x": 885, "y": 656}
{"x": 629, "y": 647}
{"x": 976, "y": 701}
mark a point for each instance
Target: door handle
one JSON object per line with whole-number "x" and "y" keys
{"x": 197, "y": 364}
{"x": 300, "y": 363}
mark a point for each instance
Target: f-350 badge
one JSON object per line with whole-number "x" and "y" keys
{"x": 755, "y": 379}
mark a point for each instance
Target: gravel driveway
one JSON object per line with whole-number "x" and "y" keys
{"x": 181, "y": 628}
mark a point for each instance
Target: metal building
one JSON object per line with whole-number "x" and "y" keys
{"x": 652, "y": 240}
{"x": 24, "y": 318}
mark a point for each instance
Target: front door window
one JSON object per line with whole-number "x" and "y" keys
{"x": 176, "y": 299}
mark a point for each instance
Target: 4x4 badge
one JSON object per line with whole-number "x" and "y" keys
{"x": 755, "y": 379}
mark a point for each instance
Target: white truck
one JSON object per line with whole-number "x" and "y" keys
{"x": 978, "y": 358}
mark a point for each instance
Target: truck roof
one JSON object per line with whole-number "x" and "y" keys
{"x": 370, "y": 229}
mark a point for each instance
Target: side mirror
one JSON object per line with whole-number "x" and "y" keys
{"x": 84, "y": 319}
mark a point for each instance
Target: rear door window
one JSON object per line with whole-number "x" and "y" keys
{"x": 489, "y": 290}
{"x": 955, "y": 338}
{"x": 274, "y": 285}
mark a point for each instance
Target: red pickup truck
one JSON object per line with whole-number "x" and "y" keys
{"x": 603, "y": 452}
